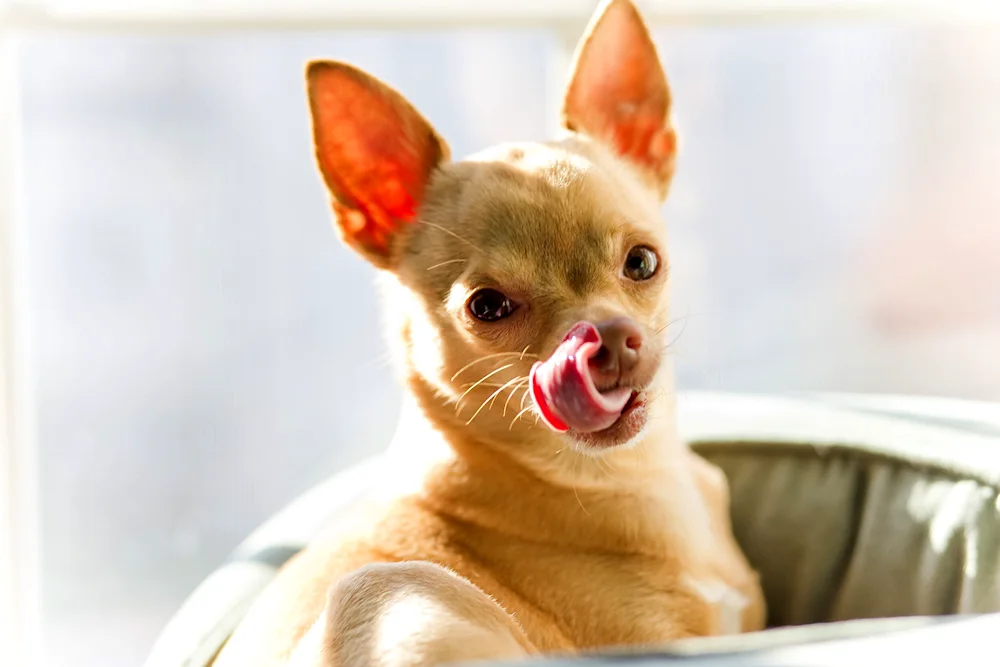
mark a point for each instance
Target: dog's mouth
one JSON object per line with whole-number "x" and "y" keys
{"x": 567, "y": 399}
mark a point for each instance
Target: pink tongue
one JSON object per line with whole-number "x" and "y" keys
{"x": 563, "y": 388}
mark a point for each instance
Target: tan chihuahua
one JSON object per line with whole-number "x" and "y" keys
{"x": 538, "y": 497}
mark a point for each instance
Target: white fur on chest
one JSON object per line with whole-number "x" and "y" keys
{"x": 728, "y": 602}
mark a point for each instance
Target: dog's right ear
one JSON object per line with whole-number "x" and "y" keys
{"x": 376, "y": 154}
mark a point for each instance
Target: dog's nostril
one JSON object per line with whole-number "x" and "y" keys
{"x": 602, "y": 358}
{"x": 633, "y": 342}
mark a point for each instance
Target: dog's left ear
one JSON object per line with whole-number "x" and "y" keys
{"x": 618, "y": 93}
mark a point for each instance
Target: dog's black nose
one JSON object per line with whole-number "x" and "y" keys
{"x": 621, "y": 340}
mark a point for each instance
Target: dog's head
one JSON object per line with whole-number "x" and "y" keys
{"x": 527, "y": 283}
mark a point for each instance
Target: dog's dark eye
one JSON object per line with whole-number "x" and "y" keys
{"x": 641, "y": 263}
{"x": 489, "y": 305}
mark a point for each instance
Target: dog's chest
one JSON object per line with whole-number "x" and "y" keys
{"x": 727, "y": 603}
{"x": 631, "y": 603}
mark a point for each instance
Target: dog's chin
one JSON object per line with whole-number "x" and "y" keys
{"x": 625, "y": 432}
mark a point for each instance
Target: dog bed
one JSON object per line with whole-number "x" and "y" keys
{"x": 874, "y": 523}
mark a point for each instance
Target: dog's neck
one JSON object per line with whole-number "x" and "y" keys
{"x": 633, "y": 492}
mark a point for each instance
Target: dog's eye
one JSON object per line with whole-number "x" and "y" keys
{"x": 641, "y": 263}
{"x": 489, "y": 305}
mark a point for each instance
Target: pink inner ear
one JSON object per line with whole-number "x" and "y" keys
{"x": 642, "y": 137}
{"x": 375, "y": 153}
{"x": 619, "y": 94}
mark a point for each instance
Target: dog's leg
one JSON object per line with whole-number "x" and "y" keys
{"x": 411, "y": 614}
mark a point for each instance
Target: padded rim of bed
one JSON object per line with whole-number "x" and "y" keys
{"x": 969, "y": 641}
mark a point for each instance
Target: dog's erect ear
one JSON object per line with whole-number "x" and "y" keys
{"x": 376, "y": 154}
{"x": 619, "y": 95}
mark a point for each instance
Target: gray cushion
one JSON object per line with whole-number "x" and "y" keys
{"x": 861, "y": 513}
{"x": 849, "y": 506}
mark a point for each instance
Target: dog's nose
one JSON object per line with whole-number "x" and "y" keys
{"x": 621, "y": 341}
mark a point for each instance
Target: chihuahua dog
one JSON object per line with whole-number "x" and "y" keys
{"x": 537, "y": 497}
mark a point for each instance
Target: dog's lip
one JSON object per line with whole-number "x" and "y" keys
{"x": 628, "y": 425}
{"x": 634, "y": 387}
{"x": 636, "y": 399}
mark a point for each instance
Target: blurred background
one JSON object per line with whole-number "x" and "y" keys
{"x": 203, "y": 349}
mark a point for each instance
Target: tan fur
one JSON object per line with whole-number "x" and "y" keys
{"x": 492, "y": 536}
